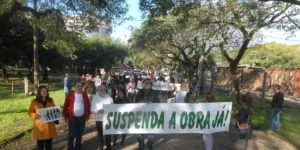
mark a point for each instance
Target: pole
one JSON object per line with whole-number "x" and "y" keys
{"x": 264, "y": 88}
{"x": 12, "y": 89}
{"x": 26, "y": 86}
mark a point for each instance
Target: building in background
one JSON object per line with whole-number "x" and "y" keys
{"x": 80, "y": 24}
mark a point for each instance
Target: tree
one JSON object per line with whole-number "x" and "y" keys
{"x": 14, "y": 43}
{"x": 45, "y": 14}
{"x": 180, "y": 45}
{"x": 237, "y": 20}
{"x": 295, "y": 2}
{"x": 273, "y": 55}
{"x": 98, "y": 53}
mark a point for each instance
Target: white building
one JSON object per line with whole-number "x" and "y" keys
{"x": 80, "y": 25}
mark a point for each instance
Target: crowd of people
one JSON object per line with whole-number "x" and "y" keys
{"x": 90, "y": 94}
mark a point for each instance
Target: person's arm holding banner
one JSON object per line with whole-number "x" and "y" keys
{"x": 32, "y": 113}
{"x": 94, "y": 108}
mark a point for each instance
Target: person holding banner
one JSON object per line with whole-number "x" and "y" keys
{"x": 43, "y": 133}
{"x": 208, "y": 138}
{"x": 146, "y": 95}
{"x": 97, "y": 108}
{"x": 121, "y": 99}
{"x": 76, "y": 112}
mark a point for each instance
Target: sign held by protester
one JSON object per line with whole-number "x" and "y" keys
{"x": 166, "y": 118}
{"x": 49, "y": 114}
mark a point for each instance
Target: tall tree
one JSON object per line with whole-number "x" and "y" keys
{"x": 237, "y": 20}
{"x": 45, "y": 12}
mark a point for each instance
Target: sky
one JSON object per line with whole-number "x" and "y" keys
{"x": 123, "y": 31}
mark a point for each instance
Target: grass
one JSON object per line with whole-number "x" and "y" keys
{"x": 290, "y": 120}
{"x": 13, "y": 112}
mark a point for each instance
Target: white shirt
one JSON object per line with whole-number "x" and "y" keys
{"x": 167, "y": 79}
{"x": 78, "y": 105}
{"x": 97, "y": 104}
{"x": 132, "y": 87}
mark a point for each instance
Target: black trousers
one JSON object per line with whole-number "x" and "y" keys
{"x": 44, "y": 144}
{"x": 99, "y": 126}
{"x": 201, "y": 90}
{"x": 116, "y": 137}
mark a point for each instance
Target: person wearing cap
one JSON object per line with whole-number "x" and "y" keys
{"x": 130, "y": 88}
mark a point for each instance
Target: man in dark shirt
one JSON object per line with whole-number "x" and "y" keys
{"x": 146, "y": 95}
{"x": 276, "y": 105}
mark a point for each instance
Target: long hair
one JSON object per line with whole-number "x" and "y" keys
{"x": 89, "y": 84}
{"x": 124, "y": 94}
{"x": 39, "y": 97}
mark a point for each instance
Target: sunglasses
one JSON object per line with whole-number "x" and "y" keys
{"x": 146, "y": 83}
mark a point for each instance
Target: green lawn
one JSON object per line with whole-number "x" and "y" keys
{"x": 290, "y": 120}
{"x": 13, "y": 112}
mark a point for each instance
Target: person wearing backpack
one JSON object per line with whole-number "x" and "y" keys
{"x": 244, "y": 120}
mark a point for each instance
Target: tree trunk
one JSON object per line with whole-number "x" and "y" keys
{"x": 213, "y": 78}
{"x": 200, "y": 72}
{"x": 5, "y": 75}
{"x": 235, "y": 81}
{"x": 264, "y": 88}
{"x": 35, "y": 52}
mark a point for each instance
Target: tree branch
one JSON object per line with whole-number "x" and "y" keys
{"x": 295, "y": 2}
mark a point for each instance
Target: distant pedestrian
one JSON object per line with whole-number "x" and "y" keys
{"x": 244, "y": 120}
{"x": 277, "y": 103}
{"x": 67, "y": 85}
{"x": 130, "y": 87}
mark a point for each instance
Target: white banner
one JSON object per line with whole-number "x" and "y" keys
{"x": 49, "y": 114}
{"x": 166, "y": 118}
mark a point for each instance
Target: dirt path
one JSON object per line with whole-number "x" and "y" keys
{"x": 222, "y": 141}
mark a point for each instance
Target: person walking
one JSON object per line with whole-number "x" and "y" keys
{"x": 97, "y": 81}
{"x": 76, "y": 112}
{"x": 146, "y": 95}
{"x": 130, "y": 87}
{"x": 67, "y": 85}
{"x": 276, "y": 105}
{"x": 97, "y": 108}
{"x": 42, "y": 133}
{"x": 121, "y": 99}
{"x": 208, "y": 138}
{"x": 244, "y": 120}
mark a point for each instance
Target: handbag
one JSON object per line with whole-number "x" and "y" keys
{"x": 244, "y": 127}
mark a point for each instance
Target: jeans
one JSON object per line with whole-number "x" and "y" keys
{"x": 99, "y": 126}
{"x": 44, "y": 144}
{"x": 243, "y": 141}
{"x": 208, "y": 140}
{"x": 196, "y": 92}
{"x": 76, "y": 129}
{"x": 275, "y": 119}
{"x": 141, "y": 141}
